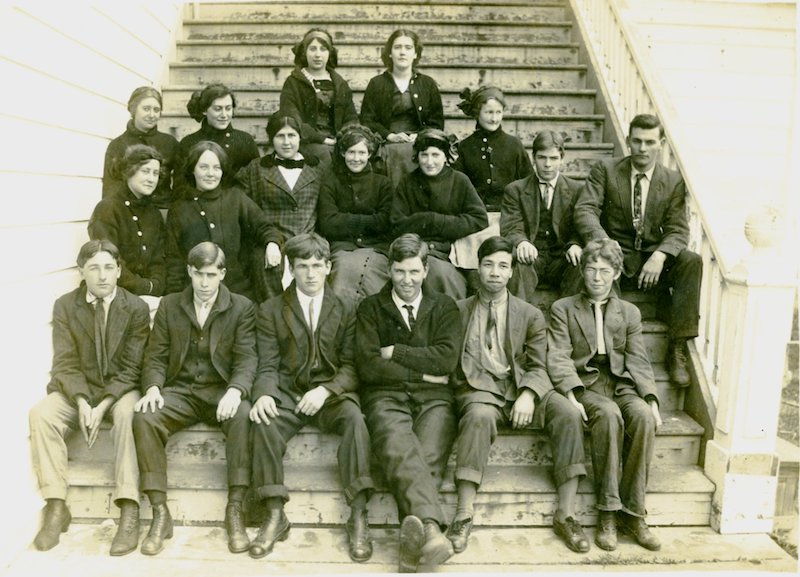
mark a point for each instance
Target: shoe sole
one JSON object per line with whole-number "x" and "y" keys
{"x": 625, "y": 531}
{"x": 412, "y": 537}
{"x": 438, "y": 554}
{"x": 282, "y": 537}
{"x": 168, "y": 535}
{"x": 64, "y": 528}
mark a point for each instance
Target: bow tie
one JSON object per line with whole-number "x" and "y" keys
{"x": 289, "y": 162}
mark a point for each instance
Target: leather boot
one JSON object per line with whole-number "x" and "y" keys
{"x": 605, "y": 535}
{"x": 637, "y": 528}
{"x": 238, "y": 541}
{"x": 412, "y": 537}
{"x": 357, "y": 527}
{"x": 275, "y": 528}
{"x": 56, "y": 521}
{"x": 676, "y": 359}
{"x": 160, "y": 529}
{"x": 127, "y": 537}
{"x": 437, "y": 548}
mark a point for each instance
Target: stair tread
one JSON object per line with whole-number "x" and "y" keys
{"x": 358, "y": 42}
{"x": 427, "y": 66}
{"x": 372, "y": 21}
{"x": 510, "y": 116}
{"x": 515, "y": 91}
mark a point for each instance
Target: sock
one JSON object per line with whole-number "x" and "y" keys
{"x": 157, "y": 497}
{"x": 466, "y": 491}
{"x": 359, "y": 502}
{"x": 236, "y": 493}
{"x": 274, "y": 503}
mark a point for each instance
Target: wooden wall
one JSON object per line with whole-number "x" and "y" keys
{"x": 68, "y": 70}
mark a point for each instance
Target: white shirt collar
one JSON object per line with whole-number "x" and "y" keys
{"x": 107, "y": 300}
{"x": 305, "y": 299}
{"x": 647, "y": 173}
{"x": 550, "y": 182}
{"x": 198, "y": 304}
{"x": 400, "y": 303}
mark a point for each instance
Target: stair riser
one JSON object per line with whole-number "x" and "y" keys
{"x": 193, "y": 507}
{"x": 379, "y": 32}
{"x": 371, "y": 54}
{"x": 266, "y": 102}
{"x": 357, "y": 78}
{"x": 378, "y": 11}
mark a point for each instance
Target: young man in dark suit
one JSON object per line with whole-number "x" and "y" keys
{"x": 407, "y": 342}
{"x": 306, "y": 375}
{"x": 536, "y": 216}
{"x": 642, "y": 205}
{"x": 99, "y": 335}
{"x": 199, "y": 366}
{"x": 502, "y": 377}
{"x": 597, "y": 358}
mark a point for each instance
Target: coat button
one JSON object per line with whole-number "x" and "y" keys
{"x": 297, "y": 398}
{"x": 488, "y": 181}
{"x": 139, "y": 233}
{"x": 135, "y": 218}
{"x": 127, "y": 203}
{"x": 202, "y": 213}
{"x": 419, "y": 108}
{"x": 144, "y": 247}
{"x": 212, "y": 225}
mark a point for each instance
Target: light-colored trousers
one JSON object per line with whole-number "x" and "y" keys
{"x": 52, "y": 418}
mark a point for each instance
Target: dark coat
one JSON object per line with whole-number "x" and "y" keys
{"x": 231, "y": 323}
{"x": 376, "y": 107}
{"x": 164, "y": 143}
{"x": 76, "y": 362}
{"x": 572, "y": 343}
{"x": 353, "y": 210}
{"x": 120, "y": 218}
{"x": 604, "y": 210}
{"x": 492, "y": 160}
{"x": 519, "y": 214}
{"x": 284, "y": 345}
{"x": 299, "y": 99}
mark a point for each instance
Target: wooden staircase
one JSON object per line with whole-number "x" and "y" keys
{"x": 526, "y": 48}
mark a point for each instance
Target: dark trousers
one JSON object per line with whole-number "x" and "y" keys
{"x": 623, "y": 434}
{"x": 477, "y": 430}
{"x": 182, "y": 409}
{"x": 553, "y": 270}
{"x": 412, "y": 441}
{"x": 678, "y": 293}
{"x": 343, "y": 417}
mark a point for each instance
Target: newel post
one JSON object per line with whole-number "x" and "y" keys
{"x": 757, "y": 307}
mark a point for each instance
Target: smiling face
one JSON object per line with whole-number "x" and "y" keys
{"x": 645, "y": 144}
{"x": 286, "y": 142}
{"x": 491, "y": 115}
{"x": 431, "y": 160}
{"x": 407, "y": 277}
{"x": 146, "y": 114}
{"x": 317, "y": 55}
{"x": 205, "y": 281}
{"x": 403, "y": 53}
{"x": 495, "y": 271}
{"x": 598, "y": 277}
{"x": 356, "y": 157}
{"x": 144, "y": 181}
{"x": 548, "y": 163}
{"x": 220, "y": 113}
{"x": 100, "y": 273}
{"x": 207, "y": 172}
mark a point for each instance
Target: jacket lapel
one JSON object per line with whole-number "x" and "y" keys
{"x": 612, "y": 321}
{"x": 654, "y": 195}
{"x": 624, "y": 189}
{"x": 530, "y": 203}
{"x": 585, "y": 317}
{"x": 216, "y": 328}
{"x": 294, "y": 318}
{"x": 118, "y": 318}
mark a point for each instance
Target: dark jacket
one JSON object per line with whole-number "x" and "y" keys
{"x": 164, "y": 143}
{"x": 76, "y": 366}
{"x": 353, "y": 210}
{"x": 299, "y": 99}
{"x": 121, "y": 218}
{"x": 376, "y": 107}
{"x": 492, "y": 160}
{"x": 232, "y": 339}
{"x": 284, "y": 345}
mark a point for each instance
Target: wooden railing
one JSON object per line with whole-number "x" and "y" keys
{"x": 632, "y": 89}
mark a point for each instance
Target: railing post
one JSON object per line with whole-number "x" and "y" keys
{"x": 757, "y": 306}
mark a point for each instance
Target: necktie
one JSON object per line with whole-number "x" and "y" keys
{"x": 638, "y": 220}
{"x": 491, "y": 326}
{"x": 314, "y": 357}
{"x": 598, "y": 327}
{"x": 411, "y": 320}
{"x": 289, "y": 162}
{"x": 546, "y": 194}
{"x": 202, "y": 314}
{"x": 100, "y": 333}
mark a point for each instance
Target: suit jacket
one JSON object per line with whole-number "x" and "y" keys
{"x": 284, "y": 348}
{"x": 604, "y": 209}
{"x": 572, "y": 342}
{"x": 522, "y": 201}
{"x": 76, "y": 357}
{"x": 232, "y": 341}
{"x": 432, "y": 348}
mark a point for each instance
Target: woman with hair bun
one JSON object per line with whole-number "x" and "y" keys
{"x": 317, "y": 95}
{"x": 129, "y": 220}
{"x": 353, "y": 214}
{"x": 440, "y": 205}
{"x": 213, "y": 211}
{"x": 285, "y": 185}
{"x": 144, "y": 106}
{"x": 213, "y": 107}
{"x": 400, "y": 102}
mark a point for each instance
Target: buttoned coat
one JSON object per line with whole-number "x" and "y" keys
{"x": 376, "y": 107}
{"x": 284, "y": 348}
{"x": 232, "y": 343}
{"x": 76, "y": 355}
{"x": 522, "y": 202}
{"x": 604, "y": 209}
{"x": 572, "y": 343}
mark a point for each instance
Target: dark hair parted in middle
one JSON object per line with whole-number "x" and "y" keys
{"x": 92, "y": 247}
{"x": 300, "y": 49}
{"x": 307, "y": 245}
{"x": 408, "y": 245}
{"x": 206, "y": 253}
{"x": 201, "y": 100}
{"x": 194, "y": 154}
{"x": 136, "y": 155}
{"x": 280, "y": 120}
{"x": 547, "y": 139}
{"x": 438, "y": 139}
{"x": 495, "y": 244}
{"x": 386, "y": 53}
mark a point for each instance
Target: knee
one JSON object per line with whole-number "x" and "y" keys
{"x": 608, "y": 416}
{"x": 641, "y": 419}
{"x": 478, "y": 417}
{"x": 690, "y": 261}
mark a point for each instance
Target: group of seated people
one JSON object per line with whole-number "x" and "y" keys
{"x": 377, "y": 280}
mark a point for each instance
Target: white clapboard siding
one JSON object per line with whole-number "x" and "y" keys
{"x": 58, "y": 198}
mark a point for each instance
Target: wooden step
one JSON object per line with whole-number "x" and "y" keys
{"x": 251, "y": 100}
{"x": 405, "y": 12}
{"x": 509, "y": 496}
{"x": 677, "y": 443}
{"x": 378, "y": 31}
{"x": 361, "y": 53}
{"x": 449, "y": 77}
